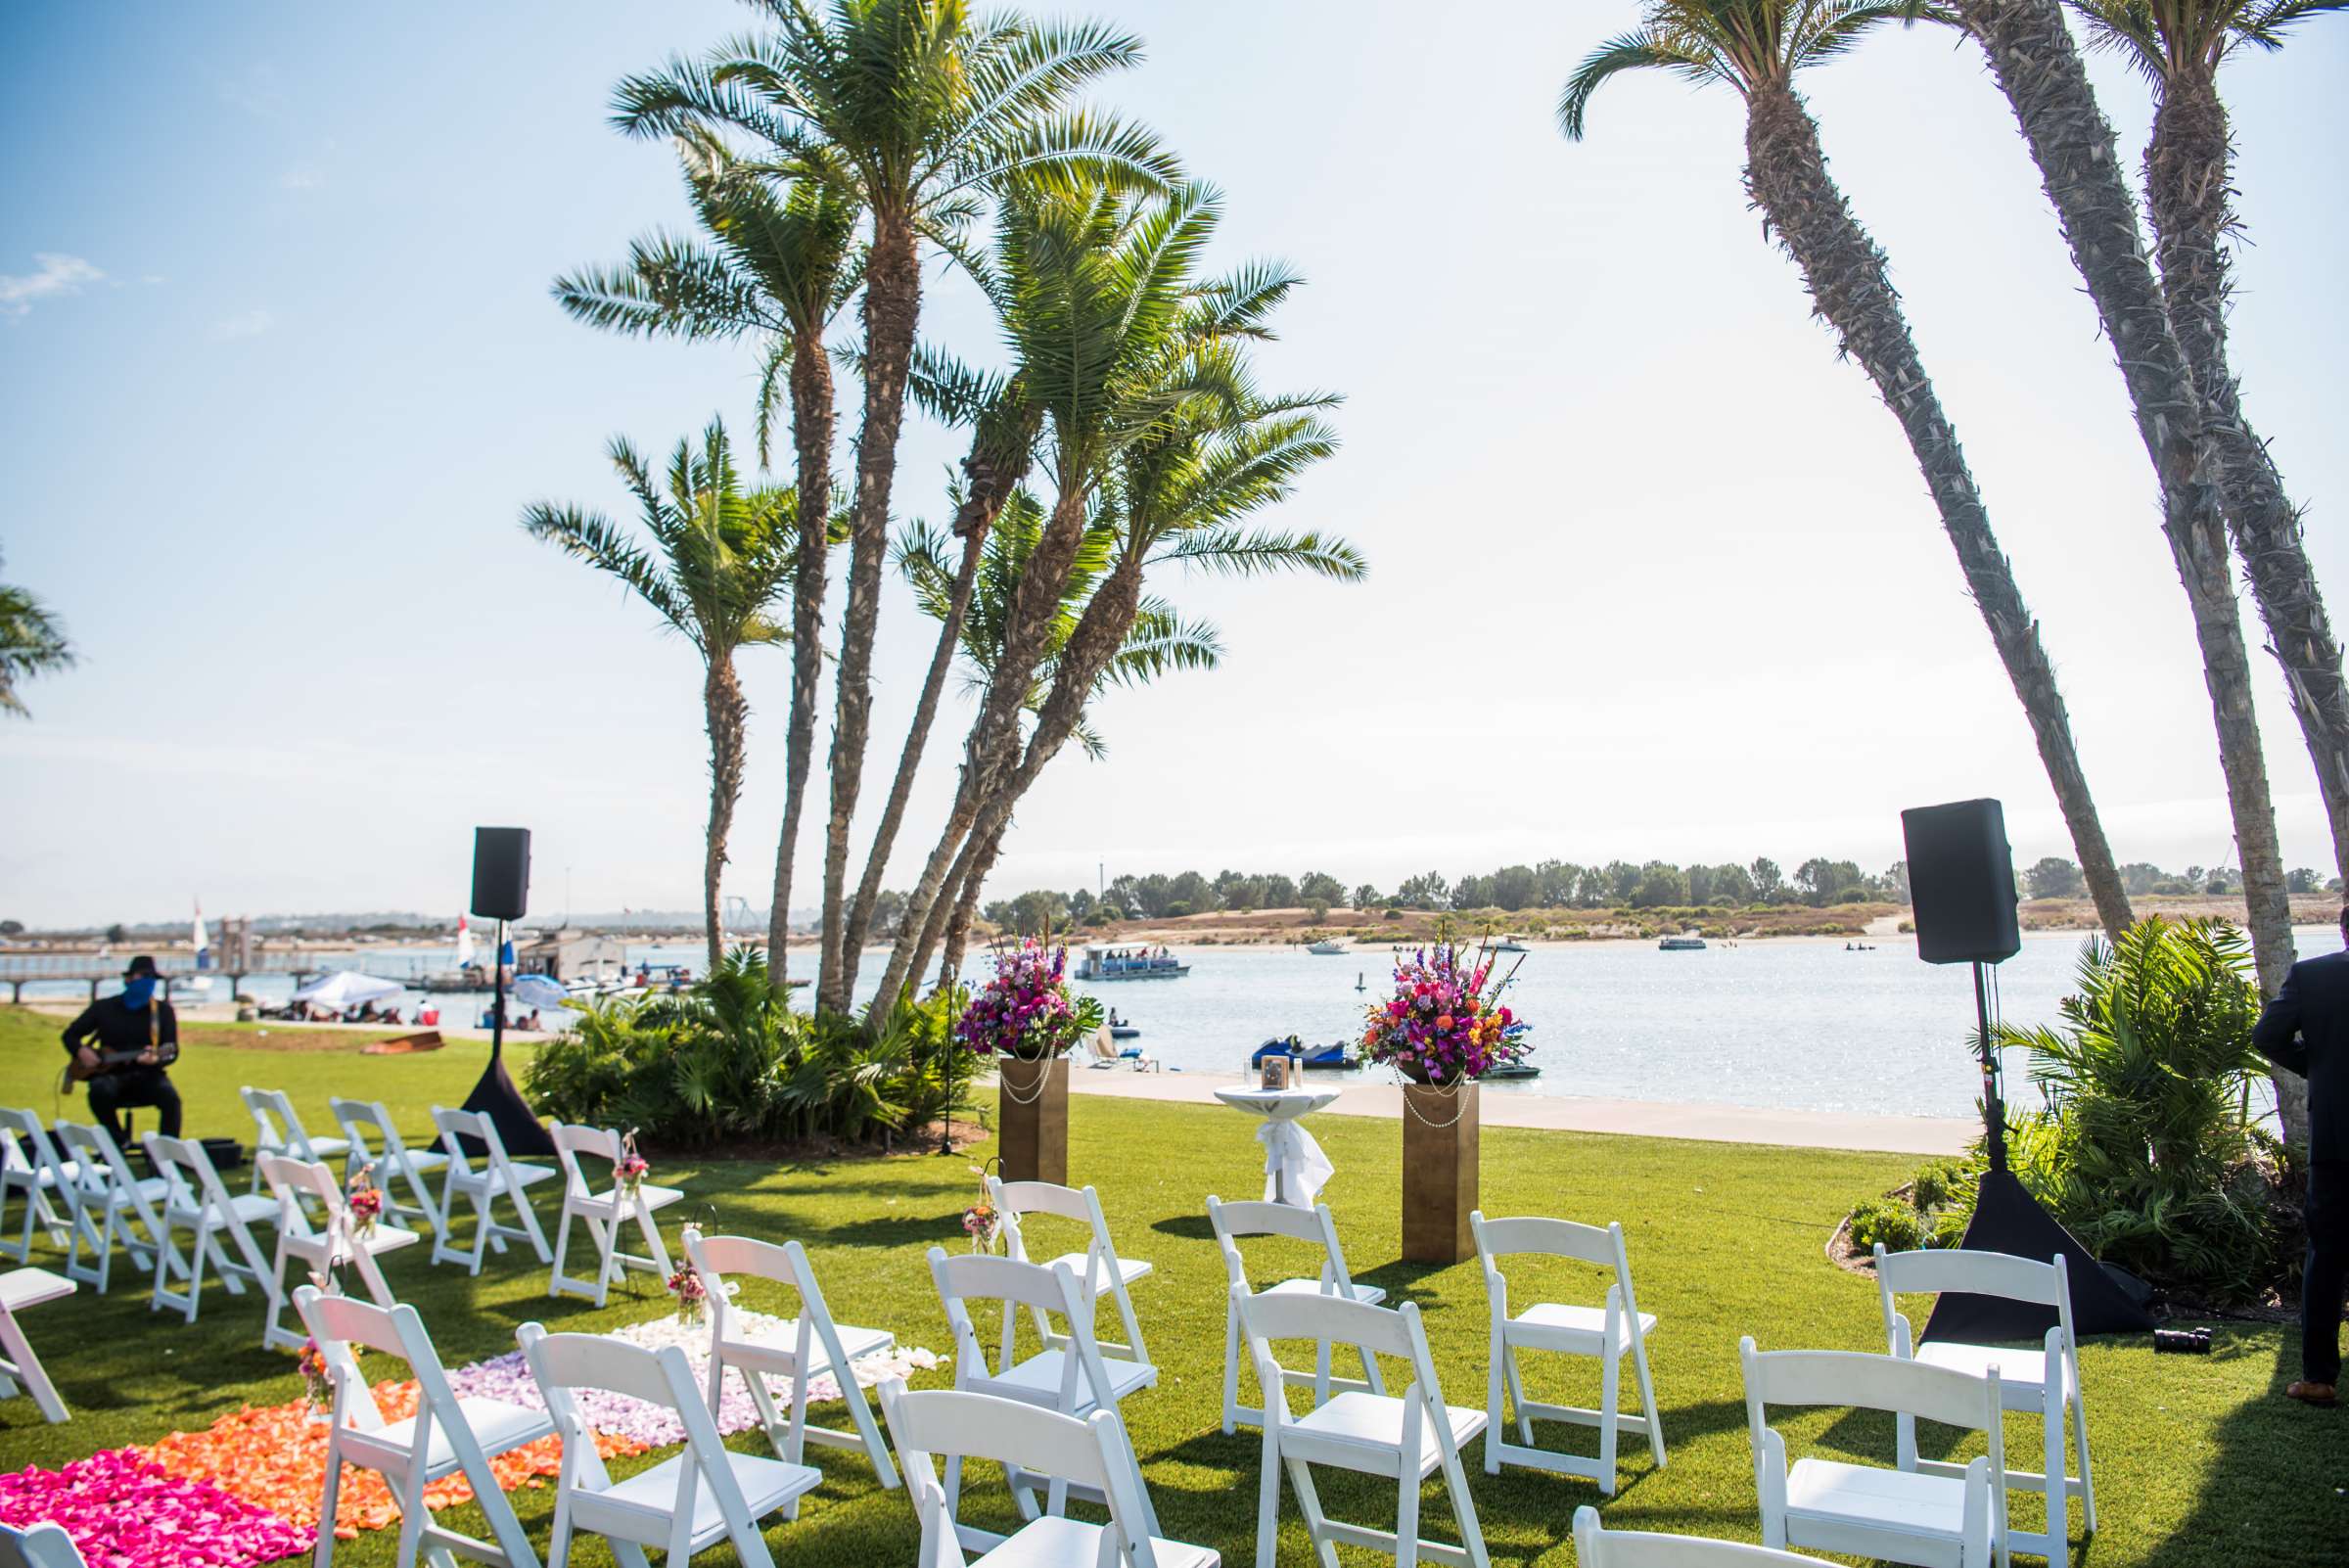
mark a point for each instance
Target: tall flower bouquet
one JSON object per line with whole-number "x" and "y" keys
{"x": 1025, "y": 1010}
{"x": 630, "y": 1169}
{"x": 1444, "y": 1022}
{"x": 366, "y": 1202}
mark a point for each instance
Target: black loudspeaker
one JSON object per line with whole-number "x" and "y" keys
{"x": 1961, "y": 882}
{"x": 501, "y": 872}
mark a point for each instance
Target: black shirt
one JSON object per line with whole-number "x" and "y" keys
{"x": 2306, "y": 1029}
{"x": 106, "y": 1024}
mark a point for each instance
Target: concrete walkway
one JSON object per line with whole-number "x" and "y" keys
{"x": 1363, "y": 1094}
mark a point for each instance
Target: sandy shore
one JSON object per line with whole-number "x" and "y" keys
{"x": 1710, "y": 1123}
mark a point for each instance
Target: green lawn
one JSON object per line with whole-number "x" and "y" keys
{"x": 2198, "y": 1460}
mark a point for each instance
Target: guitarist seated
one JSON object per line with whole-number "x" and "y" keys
{"x": 122, "y": 1046}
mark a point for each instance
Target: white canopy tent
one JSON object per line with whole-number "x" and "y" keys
{"x": 348, "y": 988}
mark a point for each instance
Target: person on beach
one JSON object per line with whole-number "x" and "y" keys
{"x": 138, "y": 1032}
{"x": 2306, "y": 1030}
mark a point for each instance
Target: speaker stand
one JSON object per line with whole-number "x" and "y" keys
{"x": 495, "y": 1097}
{"x": 2008, "y": 1220}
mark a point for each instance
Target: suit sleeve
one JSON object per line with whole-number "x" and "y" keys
{"x": 2276, "y": 1034}
{"x": 80, "y": 1030}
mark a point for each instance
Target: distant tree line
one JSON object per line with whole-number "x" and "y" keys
{"x": 2056, "y": 878}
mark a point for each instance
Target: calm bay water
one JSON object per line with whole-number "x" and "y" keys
{"x": 1791, "y": 1024}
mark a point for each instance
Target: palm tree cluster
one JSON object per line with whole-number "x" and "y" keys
{"x": 2162, "y": 309}
{"x": 32, "y": 642}
{"x": 829, "y": 158}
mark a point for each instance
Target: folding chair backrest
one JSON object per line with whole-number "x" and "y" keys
{"x": 92, "y": 1148}
{"x": 597, "y": 1362}
{"x": 714, "y": 1257}
{"x": 959, "y": 1424}
{"x": 1976, "y": 1273}
{"x": 1870, "y": 1383}
{"x": 31, "y": 1146}
{"x": 572, "y": 1140}
{"x": 291, "y": 1181}
{"x": 182, "y": 1163}
{"x": 273, "y": 1113}
{"x": 1053, "y": 1291}
{"x": 662, "y": 1378}
{"x": 1250, "y": 1218}
{"x": 454, "y": 1127}
{"x": 1556, "y": 1238}
{"x": 1597, "y": 1547}
{"x": 1339, "y": 1320}
{"x": 367, "y": 1123}
{"x": 337, "y": 1324}
{"x": 40, "y": 1546}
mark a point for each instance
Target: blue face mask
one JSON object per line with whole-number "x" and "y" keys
{"x": 137, "y": 992}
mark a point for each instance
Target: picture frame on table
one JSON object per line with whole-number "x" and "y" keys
{"x": 1275, "y": 1071}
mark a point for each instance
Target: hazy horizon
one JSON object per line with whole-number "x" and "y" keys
{"x": 1652, "y": 573}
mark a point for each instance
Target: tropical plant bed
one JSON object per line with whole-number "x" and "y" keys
{"x": 824, "y": 1147}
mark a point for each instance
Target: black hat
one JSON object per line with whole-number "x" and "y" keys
{"x": 141, "y": 965}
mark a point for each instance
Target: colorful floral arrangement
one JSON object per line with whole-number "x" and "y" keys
{"x": 981, "y": 1222}
{"x": 630, "y": 1169}
{"x": 317, "y": 1380}
{"x": 1444, "y": 1022}
{"x": 692, "y": 1299}
{"x": 1025, "y": 1010}
{"x": 366, "y": 1202}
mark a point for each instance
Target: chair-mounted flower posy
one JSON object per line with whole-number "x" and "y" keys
{"x": 1445, "y": 1022}
{"x": 1025, "y": 1010}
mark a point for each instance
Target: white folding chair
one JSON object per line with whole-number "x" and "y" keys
{"x": 498, "y": 1177}
{"x": 110, "y": 1205}
{"x": 375, "y": 1142}
{"x": 2044, "y": 1382}
{"x": 1597, "y": 1547}
{"x": 1406, "y": 1437}
{"x": 802, "y": 1348}
{"x": 1071, "y": 1376}
{"x": 1098, "y": 1266}
{"x": 1901, "y": 1515}
{"x": 445, "y": 1436}
{"x": 21, "y": 1288}
{"x": 279, "y": 1130}
{"x": 335, "y": 1242}
{"x": 603, "y": 1212}
{"x": 31, "y": 1173}
{"x": 40, "y": 1546}
{"x": 1607, "y": 1333}
{"x": 1028, "y": 1440}
{"x": 196, "y": 1202}
{"x": 1316, "y": 1227}
{"x": 689, "y": 1500}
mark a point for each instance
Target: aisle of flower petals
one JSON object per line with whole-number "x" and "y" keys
{"x": 244, "y": 1490}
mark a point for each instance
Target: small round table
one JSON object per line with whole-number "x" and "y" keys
{"x": 1295, "y": 1168}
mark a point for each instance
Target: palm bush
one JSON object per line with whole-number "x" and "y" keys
{"x": 2147, "y": 1150}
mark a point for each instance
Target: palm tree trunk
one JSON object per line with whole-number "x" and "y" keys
{"x": 1786, "y": 175}
{"x": 893, "y": 302}
{"x": 812, "y": 421}
{"x": 990, "y": 754}
{"x": 2187, "y": 180}
{"x": 990, "y": 475}
{"x": 2038, "y": 69}
{"x": 966, "y": 907}
{"x": 723, "y": 713}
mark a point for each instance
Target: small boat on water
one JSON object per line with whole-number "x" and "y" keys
{"x": 1685, "y": 942}
{"x": 1511, "y": 944}
{"x": 1326, "y": 947}
{"x": 1124, "y": 1030}
{"x": 1513, "y": 1070}
{"x": 1322, "y": 1059}
{"x": 1103, "y": 962}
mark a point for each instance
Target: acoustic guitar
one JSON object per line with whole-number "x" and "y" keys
{"x": 154, "y": 1053}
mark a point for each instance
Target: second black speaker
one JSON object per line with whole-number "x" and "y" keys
{"x": 501, "y": 872}
{"x": 1961, "y": 882}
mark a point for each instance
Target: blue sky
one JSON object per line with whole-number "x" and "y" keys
{"x": 1652, "y": 574}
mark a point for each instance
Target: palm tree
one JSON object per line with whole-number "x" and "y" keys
{"x": 912, "y": 110}
{"x": 1176, "y": 495}
{"x": 1756, "y": 47}
{"x": 2038, "y": 69}
{"x": 720, "y": 558}
{"x": 32, "y": 642}
{"x": 779, "y": 269}
{"x": 2180, "y": 45}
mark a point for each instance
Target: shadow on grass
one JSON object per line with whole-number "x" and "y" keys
{"x": 1188, "y": 1226}
{"x": 2271, "y": 1493}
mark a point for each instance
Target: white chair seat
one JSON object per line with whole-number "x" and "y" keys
{"x": 491, "y": 1182}
{"x": 612, "y": 1201}
{"x": 1898, "y": 1500}
{"x": 387, "y": 1238}
{"x": 784, "y": 1337}
{"x": 497, "y": 1425}
{"x": 766, "y": 1484}
{"x": 155, "y": 1189}
{"x": 2020, "y": 1371}
{"x": 1037, "y": 1379}
{"x": 1056, "y": 1542}
{"x": 1375, "y": 1421}
{"x": 323, "y": 1150}
{"x": 1129, "y": 1270}
{"x": 249, "y": 1208}
{"x": 1372, "y": 1293}
{"x": 47, "y": 1179}
{"x": 422, "y": 1160}
{"x": 21, "y": 1288}
{"x": 1568, "y": 1321}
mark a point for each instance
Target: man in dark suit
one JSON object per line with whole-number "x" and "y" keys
{"x": 140, "y": 1031}
{"x": 2306, "y": 1029}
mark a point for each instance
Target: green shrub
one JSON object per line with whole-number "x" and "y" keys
{"x": 1941, "y": 1183}
{"x": 1887, "y": 1220}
